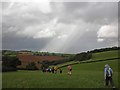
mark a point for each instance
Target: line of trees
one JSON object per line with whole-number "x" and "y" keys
{"x": 105, "y": 49}
{"x": 9, "y": 52}
{"x": 10, "y": 63}
{"x": 78, "y": 57}
{"x": 51, "y": 54}
{"x": 46, "y": 63}
{"x": 83, "y": 56}
{"x": 31, "y": 66}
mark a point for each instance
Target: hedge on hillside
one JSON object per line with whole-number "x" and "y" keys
{"x": 31, "y": 66}
{"x": 83, "y": 56}
{"x": 10, "y": 63}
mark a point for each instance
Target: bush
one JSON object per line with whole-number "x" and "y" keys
{"x": 31, "y": 66}
{"x": 105, "y": 49}
{"x": 8, "y": 69}
{"x": 83, "y": 56}
{"x": 10, "y": 63}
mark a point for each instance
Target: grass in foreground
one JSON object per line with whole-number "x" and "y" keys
{"x": 87, "y": 75}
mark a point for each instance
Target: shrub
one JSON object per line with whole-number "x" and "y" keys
{"x": 10, "y": 63}
{"x": 31, "y": 66}
{"x": 83, "y": 56}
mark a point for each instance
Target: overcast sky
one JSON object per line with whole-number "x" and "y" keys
{"x": 67, "y": 27}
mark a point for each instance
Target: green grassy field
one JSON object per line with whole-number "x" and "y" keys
{"x": 96, "y": 57}
{"x": 64, "y": 64}
{"x": 86, "y": 75}
{"x": 105, "y": 55}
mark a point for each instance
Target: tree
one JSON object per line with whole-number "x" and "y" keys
{"x": 10, "y": 63}
{"x": 45, "y": 64}
{"x": 31, "y": 66}
{"x": 83, "y": 56}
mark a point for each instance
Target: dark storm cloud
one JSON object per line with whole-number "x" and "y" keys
{"x": 16, "y": 43}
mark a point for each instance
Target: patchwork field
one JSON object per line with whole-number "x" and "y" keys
{"x": 26, "y": 58}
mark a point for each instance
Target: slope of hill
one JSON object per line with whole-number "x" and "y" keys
{"x": 105, "y": 55}
{"x": 96, "y": 57}
{"x": 86, "y": 75}
{"x": 26, "y": 58}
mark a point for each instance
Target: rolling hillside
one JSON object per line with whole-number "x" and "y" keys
{"x": 96, "y": 57}
{"x": 26, "y": 58}
{"x": 105, "y": 55}
{"x": 86, "y": 75}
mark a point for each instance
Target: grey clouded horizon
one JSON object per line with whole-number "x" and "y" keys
{"x": 67, "y": 27}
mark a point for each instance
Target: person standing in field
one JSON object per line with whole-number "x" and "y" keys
{"x": 55, "y": 68}
{"x": 60, "y": 70}
{"x": 52, "y": 69}
{"x": 69, "y": 70}
{"x": 108, "y": 73}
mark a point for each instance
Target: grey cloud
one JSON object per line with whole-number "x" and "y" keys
{"x": 80, "y": 19}
{"x": 88, "y": 42}
{"x": 16, "y": 43}
{"x": 101, "y": 13}
{"x": 23, "y": 18}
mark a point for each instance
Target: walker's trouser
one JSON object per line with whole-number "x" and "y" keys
{"x": 109, "y": 79}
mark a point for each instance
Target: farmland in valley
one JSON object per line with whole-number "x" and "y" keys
{"x": 84, "y": 75}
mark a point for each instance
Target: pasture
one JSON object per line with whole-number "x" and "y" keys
{"x": 86, "y": 75}
{"x": 105, "y": 55}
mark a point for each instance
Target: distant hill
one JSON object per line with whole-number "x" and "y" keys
{"x": 105, "y": 55}
{"x": 27, "y": 58}
{"x": 50, "y": 59}
{"x": 96, "y": 57}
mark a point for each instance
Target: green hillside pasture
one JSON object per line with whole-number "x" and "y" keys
{"x": 105, "y": 55}
{"x": 66, "y": 63}
{"x": 102, "y": 56}
{"x": 86, "y": 75}
{"x": 95, "y": 72}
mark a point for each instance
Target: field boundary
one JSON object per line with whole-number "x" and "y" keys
{"x": 99, "y": 60}
{"x": 81, "y": 62}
